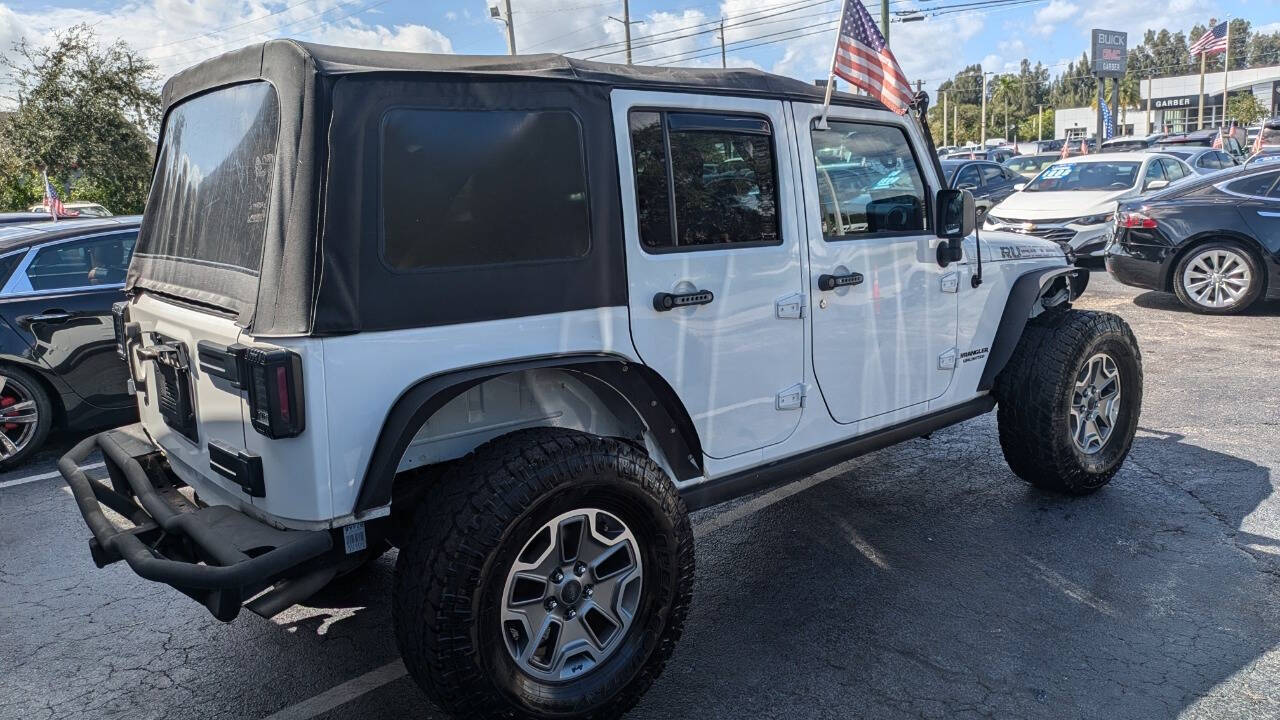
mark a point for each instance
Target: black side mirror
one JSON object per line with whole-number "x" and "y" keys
{"x": 956, "y": 214}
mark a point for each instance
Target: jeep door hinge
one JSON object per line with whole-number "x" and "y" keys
{"x": 792, "y": 398}
{"x": 790, "y": 307}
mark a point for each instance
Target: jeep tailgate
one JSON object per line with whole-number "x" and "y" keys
{"x": 216, "y": 408}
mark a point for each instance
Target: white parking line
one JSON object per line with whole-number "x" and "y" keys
{"x": 342, "y": 694}
{"x": 374, "y": 679}
{"x": 45, "y": 476}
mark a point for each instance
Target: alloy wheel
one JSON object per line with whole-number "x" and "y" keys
{"x": 19, "y": 416}
{"x": 571, "y": 594}
{"x": 1095, "y": 403}
{"x": 1217, "y": 278}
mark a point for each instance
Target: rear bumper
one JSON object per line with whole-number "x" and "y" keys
{"x": 215, "y": 554}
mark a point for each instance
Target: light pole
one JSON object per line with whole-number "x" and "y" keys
{"x": 496, "y": 14}
{"x": 1040, "y": 122}
{"x": 982, "y": 133}
{"x": 884, "y": 19}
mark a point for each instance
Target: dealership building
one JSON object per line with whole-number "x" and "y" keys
{"x": 1172, "y": 104}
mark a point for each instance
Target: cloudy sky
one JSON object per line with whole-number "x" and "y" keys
{"x": 792, "y": 37}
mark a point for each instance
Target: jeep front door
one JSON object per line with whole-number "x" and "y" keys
{"x": 713, "y": 260}
{"x": 884, "y": 313}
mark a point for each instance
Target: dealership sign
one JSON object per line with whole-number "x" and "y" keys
{"x": 1110, "y": 52}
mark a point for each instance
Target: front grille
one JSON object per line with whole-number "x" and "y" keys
{"x": 1057, "y": 234}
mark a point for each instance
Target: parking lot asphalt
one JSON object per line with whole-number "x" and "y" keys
{"x": 924, "y": 580}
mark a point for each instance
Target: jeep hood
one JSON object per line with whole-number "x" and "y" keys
{"x": 1000, "y": 245}
{"x": 1025, "y": 205}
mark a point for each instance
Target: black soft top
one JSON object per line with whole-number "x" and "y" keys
{"x": 320, "y": 271}
{"x": 289, "y": 62}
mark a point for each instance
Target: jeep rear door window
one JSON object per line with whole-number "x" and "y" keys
{"x": 704, "y": 180}
{"x": 207, "y": 213}
{"x": 868, "y": 181}
{"x": 467, "y": 188}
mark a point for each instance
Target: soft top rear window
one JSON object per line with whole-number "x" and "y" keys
{"x": 206, "y": 216}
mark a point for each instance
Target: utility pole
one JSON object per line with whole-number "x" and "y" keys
{"x": 955, "y": 122}
{"x": 1102, "y": 98}
{"x": 1148, "y": 104}
{"x": 627, "y": 22}
{"x": 944, "y": 116}
{"x": 982, "y": 133}
{"x": 511, "y": 25}
{"x": 1226, "y": 68}
{"x": 1040, "y": 122}
{"x": 723, "y": 62}
{"x": 884, "y": 20}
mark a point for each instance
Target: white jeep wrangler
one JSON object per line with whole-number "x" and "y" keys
{"x": 519, "y": 316}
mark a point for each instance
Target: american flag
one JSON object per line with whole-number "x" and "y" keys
{"x": 1212, "y": 41}
{"x": 863, "y": 60}
{"x": 51, "y": 200}
{"x": 1108, "y": 123}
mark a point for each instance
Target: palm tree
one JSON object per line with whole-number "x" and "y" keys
{"x": 1006, "y": 90}
{"x": 1130, "y": 94}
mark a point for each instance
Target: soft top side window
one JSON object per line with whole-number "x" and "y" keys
{"x": 467, "y": 188}
{"x": 869, "y": 181}
{"x": 704, "y": 180}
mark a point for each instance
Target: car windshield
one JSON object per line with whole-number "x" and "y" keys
{"x": 1123, "y": 145}
{"x": 1271, "y": 136}
{"x": 1076, "y": 176}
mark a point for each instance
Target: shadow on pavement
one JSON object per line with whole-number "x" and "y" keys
{"x": 1155, "y": 300}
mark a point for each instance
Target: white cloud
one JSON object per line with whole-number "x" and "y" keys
{"x": 1138, "y": 16}
{"x": 451, "y": 16}
{"x": 176, "y": 33}
{"x": 1048, "y": 17}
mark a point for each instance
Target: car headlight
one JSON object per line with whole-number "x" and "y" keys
{"x": 1094, "y": 219}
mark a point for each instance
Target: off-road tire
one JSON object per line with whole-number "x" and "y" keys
{"x": 471, "y": 526}
{"x": 1251, "y": 295}
{"x": 1035, "y": 389}
{"x": 33, "y": 388}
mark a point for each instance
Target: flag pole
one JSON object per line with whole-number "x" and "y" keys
{"x": 1226, "y": 67}
{"x": 53, "y": 216}
{"x": 831, "y": 74}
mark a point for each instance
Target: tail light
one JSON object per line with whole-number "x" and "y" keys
{"x": 1135, "y": 220}
{"x": 274, "y": 381}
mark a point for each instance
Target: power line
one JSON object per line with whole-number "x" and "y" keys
{"x": 694, "y": 26}
{"x": 225, "y": 28}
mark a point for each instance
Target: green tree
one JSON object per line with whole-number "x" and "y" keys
{"x": 1029, "y": 129}
{"x": 84, "y": 113}
{"x": 1245, "y": 108}
{"x": 1006, "y": 96}
{"x": 1264, "y": 49}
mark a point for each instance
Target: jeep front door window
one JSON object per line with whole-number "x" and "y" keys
{"x": 884, "y": 320}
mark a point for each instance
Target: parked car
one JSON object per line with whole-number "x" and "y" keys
{"x": 1270, "y": 132}
{"x": 1232, "y": 143}
{"x": 58, "y": 362}
{"x": 13, "y": 218}
{"x": 1029, "y": 166}
{"x": 988, "y": 182}
{"x": 535, "y": 450}
{"x": 76, "y": 209}
{"x": 1073, "y": 201}
{"x": 1204, "y": 160}
{"x": 995, "y": 154}
{"x": 1214, "y": 241}
{"x": 1129, "y": 143}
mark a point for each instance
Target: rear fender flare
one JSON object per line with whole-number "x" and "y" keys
{"x": 645, "y": 390}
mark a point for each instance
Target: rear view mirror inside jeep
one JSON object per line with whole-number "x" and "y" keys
{"x": 207, "y": 213}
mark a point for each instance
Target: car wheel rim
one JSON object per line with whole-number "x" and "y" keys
{"x": 1095, "y": 403}
{"x": 571, "y": 595}
{"x": 18, "y": 417}
{"x": 1217, "y": 278}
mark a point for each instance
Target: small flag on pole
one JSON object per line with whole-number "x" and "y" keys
{"x": 1066, "y": 150}
{"x": 51, "y": 201}
{"x": 862, "y": 58}
{"x": 1213, "y": 41}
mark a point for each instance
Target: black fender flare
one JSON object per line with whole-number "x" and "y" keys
{"x": 647, "y": 392}
{"x": 1023, "y": 295}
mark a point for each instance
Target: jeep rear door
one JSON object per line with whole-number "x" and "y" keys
{"x": 884, "y": 314}
{"x": 714, "y": 260}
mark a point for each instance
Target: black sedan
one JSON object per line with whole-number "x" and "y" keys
{"x": 990, "y": 182}
{"x": 1213, "y": 241}
{"x": 58, "y": 362}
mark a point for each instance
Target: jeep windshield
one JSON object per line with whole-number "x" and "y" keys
{"x": 206, "y": 216}
{"x": 1081, "y": 176}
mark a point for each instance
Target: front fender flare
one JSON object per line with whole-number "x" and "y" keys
{"x": 648, "y": 394}
{"x": 1023, "y": 295}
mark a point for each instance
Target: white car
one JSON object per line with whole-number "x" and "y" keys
{"x": 1073, "y": 201}
{"x": 76, "y": 209}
